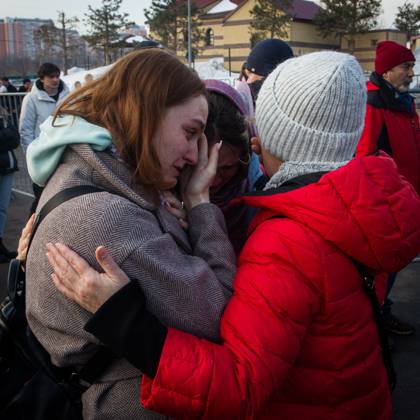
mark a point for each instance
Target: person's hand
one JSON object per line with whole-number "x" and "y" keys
{"x": 256, "y": 145}
{"x": 196, "y": 181}
{"x": 176, "y": 208}
{"x": 78, "y": 281}
{"x": 24, "y": 240}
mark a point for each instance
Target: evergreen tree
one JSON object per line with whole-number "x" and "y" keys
{"x": 346, "y": 18}
{"x": 104, "y": 24}
{"x": 408, "y": 19}
{"x": 168, "y": 21}
{"x": 271, "y": 18}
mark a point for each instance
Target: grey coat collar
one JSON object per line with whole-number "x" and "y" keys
{"x": 115, "y": 176}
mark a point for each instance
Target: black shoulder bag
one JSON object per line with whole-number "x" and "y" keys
{"x": 369, "y": 288}
{"x": 31, "y": 386}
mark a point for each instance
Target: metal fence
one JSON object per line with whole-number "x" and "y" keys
{"x": 22, "y": 183}
{"x": 12, "y": 102}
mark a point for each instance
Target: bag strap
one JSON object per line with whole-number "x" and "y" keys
{"x": 79, "y": 380}
{"x": 95, "y": 366}
{"x": 103, "y": 357}
{"x": 59, "y": 198}
{"x": 370, "y": 290}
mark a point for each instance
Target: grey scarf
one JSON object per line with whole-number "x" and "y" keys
{"x": 290, "y": 170}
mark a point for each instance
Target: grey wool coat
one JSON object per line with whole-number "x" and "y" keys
{"x": 186, "y": 277}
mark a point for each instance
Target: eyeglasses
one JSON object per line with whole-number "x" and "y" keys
{"x": 230, "y": 169}
{"x": 245, "y": 160}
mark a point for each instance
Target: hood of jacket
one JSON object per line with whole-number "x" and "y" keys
{"x": 42, "y": 95}
{"x": 45, "y": 152}
{"x": 364, "y": 208}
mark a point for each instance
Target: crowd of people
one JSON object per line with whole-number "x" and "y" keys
{"x": 224, "y": 257}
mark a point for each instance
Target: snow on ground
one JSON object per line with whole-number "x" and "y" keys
{"x": 214, "y": 69}
{"x": 211, "y": 69}
{"x": 135, "y": 38}
{"x": 223, "y": 6}
{"x": 74, "y": 70}
{"x": 77, "y": 74}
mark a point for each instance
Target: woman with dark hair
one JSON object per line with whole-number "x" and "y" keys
{"x": 238, "y": 169}
{"x": 131, "y": 133}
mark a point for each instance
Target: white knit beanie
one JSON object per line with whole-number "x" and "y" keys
{"x": 310, "y": 112}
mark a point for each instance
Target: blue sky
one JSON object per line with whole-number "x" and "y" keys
{"x": 48, "y": 9}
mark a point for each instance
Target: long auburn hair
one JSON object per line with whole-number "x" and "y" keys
{"x": 130, "y": 101}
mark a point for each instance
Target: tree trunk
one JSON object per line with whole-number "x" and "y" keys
{"x": 106, "y": 46}
{"x": 65, "y": 52}
{"x": 352, "y": 45}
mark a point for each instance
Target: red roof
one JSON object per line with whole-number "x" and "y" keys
{"x": 301, "y": 9}
{"x": 202, "y": 4}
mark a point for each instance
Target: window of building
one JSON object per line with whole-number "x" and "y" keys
{"x": 351, "y": 44}
{"x": 209, "y": 37}
{"x": 373, "y": 42}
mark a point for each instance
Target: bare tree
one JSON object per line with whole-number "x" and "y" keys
{"x": 46, "y": 39}
{"x": 65, "y": 25}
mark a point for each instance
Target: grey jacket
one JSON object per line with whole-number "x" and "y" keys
{"x": 37, "y": 106}
{"x": 187, "y": 279}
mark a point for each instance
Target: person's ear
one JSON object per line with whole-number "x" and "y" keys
{"x": 385, "y": 76}
{"x": 256, "y": 145}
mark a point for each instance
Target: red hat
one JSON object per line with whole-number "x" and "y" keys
{"x": 390, "y": 54}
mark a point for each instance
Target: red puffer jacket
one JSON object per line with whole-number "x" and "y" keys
{"x": 299, "y": 339}
{"x": 390, "y": 127}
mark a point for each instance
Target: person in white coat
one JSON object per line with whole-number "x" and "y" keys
{"x": 47, "y": 92}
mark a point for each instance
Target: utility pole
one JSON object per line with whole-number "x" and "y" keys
{"x": 189, "y": 34}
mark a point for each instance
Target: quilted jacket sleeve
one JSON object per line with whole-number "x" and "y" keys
{"x": 368, "y": 142}
{"x": 263, "y": 328}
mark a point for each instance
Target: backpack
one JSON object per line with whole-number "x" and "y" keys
{"x": 32, "y": 387}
